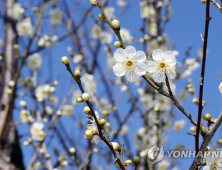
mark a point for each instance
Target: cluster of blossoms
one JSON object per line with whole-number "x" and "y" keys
{"x": 134, "y": 63}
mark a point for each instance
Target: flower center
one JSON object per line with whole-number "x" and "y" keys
{"x": 129, "y": 63}
{"x": 162, "y": 65}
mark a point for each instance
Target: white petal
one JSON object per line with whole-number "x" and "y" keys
{"x": 119, "y": 70}
{"x": 131, "y": 76}
{"x": 152, "y": 67}
{"x": 158, "y": 55}
{"x": 171, "y": 74}
{"x": 159, "y": 76}
{"x": 97, "y": 114}
{"x": 140, "y": 57}
{"x": 206, "y": 168}
{"x": 96, "y": 139}
{"x": 130, "y": 51}
{"x": 140, "y": 69}
{"x": 119, "y": 55}
{"x": 170, "y": 58}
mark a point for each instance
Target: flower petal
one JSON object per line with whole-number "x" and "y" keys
{"x": 119, "y": 55}
{"x": 140, "y": 57}
{"x": 159, "y": 76}
{"x": 119, "y": 70}
{"x": 171, "y": 73}
{"x": 158, "y": 55}
{"x": 152, "y": 66}
{"x": 131, "y": 76}
{"x": 141, "y": 69}
{"x": 170, "y": 58}
{"x": 96, "y": 139}
{"x": 130, "y": 51}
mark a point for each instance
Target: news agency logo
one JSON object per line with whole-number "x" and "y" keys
{"x": 156, "y": 153}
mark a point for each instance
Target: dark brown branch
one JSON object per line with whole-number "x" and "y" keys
{"x": 200, "y": 106}
{"x": 172, "y": 98}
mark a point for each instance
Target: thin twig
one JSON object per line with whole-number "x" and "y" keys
{"x": 200, "y": 105}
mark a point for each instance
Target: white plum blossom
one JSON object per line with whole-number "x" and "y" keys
{"x": 47, "y": 41}
{"x": 17, "y": 11}
{"x": 42, "y": 92}
{"x": 24, "y": 27}
{"x": 146, "y": 10}
{"x": 89, "y": 83}
{"x": 77, "y": 58}
{"x": 178, "y": 125}
{"x": 55, "y": 16}
{"x": 153, "y": 45}
{"x": 129, "y": 62}
{"x": 34, "y": 61}
{"x": 122, "y": 3}
{"x": 147, "y": 101}
{"x": 163, "y": 165}
{"x": 105, "y": 37}
{"x": 213, "y": 161}
{"x": 191, "y": 63}
{"x": 125, "y": 34}
{"x": 92, "y": 126}
{"x": 109, "y": 12}
{"x": 67, "y": 110}
{"x": 96, "y": 30}
{"x": 37, "y": 132}
{"x": 163, "y": 62}
{"x": 24, "y": 115}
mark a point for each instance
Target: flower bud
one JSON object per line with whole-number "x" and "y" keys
{"x": 11, "y": 83}
{"x": 219, "y": 141}
{"x": 22, "y": 103}
{"x": 102, "y": 122}
{"x": 203, "y": 1}
{"x": 117, "y": 44}
{"x": 101, "y": 17}
{"x": 193, "y": 129}
{"x": 85, "y": 96}
{"x": 127, "y": 162}
{"x": 94, "y": 2}
{"x": 191, "y": 90}
{"x": 79, "y": 100}
{"x": 77, "y": 74}
{"x": 207, "y": 117}
{"x": 116, "y": 146}
{"x": 116, "y": 24}
{"x": 89, "y": 134}
{"x": 47, "y": 156}
{"x": 65, "y": 60}
{"x": 87, "y": 110}
{"x": 25, "y": 143}
{"x": 195, "y": 100}
{"x": 59, "y": 113}
{"x": 72, "y": 150}
{"x": 64, "y": 163}
{"x": 136, "y": 159}
{"x": 207, "y": 148}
